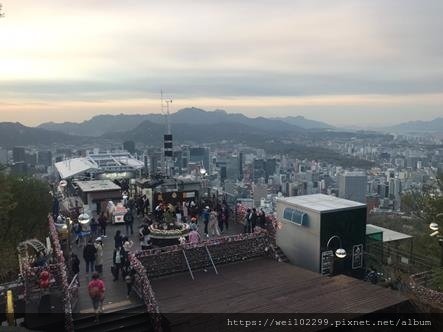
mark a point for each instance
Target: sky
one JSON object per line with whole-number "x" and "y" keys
{"x": 354, "y": 62}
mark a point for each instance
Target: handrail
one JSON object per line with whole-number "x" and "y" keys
{"x": 72, "y": 281}
{"x": 187, "y": 263}
{"x": 211, "y": 242}
{"x": 212, "y": 261}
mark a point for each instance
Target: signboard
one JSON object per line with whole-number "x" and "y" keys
{"x": 357, "y": 256}
{"x": 327, "y": 262}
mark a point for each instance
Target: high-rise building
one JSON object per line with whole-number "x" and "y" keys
{"x": 199, "y": 155}
{"x": 4, "y": 159}
{"x": 44, "y": 158}
{"x": 18, "y": 154}
{"x": 129, "y": 146}
{"x": 31, "y": 159}
{"x": 240, "y": 165}
{"x": 259, "y": 192}
{"x": 259, "y": 169}
{"x": 352, "y": 186}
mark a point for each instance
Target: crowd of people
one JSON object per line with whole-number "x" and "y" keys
{"x": 213, "y": 216}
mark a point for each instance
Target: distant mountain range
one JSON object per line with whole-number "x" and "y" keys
{"x": 435, "y": 125}
{"x": 302, "y": 122}
{"x": 15, "y": 134}
{"x": 107, "y": 124}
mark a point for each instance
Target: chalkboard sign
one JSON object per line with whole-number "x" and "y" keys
{"x": 327, "y": 262}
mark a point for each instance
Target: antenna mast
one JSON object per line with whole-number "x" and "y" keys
{"x": 167, "y": 138}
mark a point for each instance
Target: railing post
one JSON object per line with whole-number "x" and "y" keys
{"x": 210, "y": 257}
{"x": 10, "y": 308}
{"x": 187, "y": 263}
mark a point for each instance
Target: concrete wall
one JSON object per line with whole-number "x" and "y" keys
{"x": 301, "y": 244}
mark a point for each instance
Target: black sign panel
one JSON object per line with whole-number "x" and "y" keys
{"x": 327, "y": 262}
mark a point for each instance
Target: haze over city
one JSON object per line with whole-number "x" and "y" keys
{"x": 343, "y": 62}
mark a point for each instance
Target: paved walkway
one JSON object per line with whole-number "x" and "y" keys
{"x": 115, "y": 295}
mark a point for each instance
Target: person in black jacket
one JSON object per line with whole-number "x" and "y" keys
{"x": 118, "y": 239}
{"x": 262, "y": 219}
{"x": 254, "y": 218}
{"x": 89, "y": 256}
{"x": 75, "y": 264}
{"x": 129, "y": 221}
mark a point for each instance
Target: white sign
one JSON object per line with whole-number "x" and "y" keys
{"x": 357, "y": 256}
{"x": 327, "y": 262}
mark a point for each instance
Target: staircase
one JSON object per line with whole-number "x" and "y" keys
{"x": 128, "y": 319}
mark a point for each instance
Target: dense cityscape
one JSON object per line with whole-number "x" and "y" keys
{"x": 266, "y": 165}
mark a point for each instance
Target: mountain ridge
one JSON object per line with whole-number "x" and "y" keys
{"x": 106, "y": 123}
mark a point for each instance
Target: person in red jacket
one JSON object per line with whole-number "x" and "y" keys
{"x": 96, "y": 289}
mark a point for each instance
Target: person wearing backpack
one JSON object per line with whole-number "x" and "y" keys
{"x": 96, "y": 289}
{"x": 89, "y": 256}
{"x": 129, "y": 221}
{"x": 118, "y": 260}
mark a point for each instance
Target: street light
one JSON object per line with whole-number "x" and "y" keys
{"x": 340, "y": 252}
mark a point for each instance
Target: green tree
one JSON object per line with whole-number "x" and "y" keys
{"x": 24, "y": 207}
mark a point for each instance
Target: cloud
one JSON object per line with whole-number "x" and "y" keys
{"x": 62, "y": 53}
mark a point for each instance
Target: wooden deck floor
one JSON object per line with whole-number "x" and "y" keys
{"x": 266, "y": 286}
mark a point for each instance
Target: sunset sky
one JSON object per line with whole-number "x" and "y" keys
{"x": 366, "y": 62}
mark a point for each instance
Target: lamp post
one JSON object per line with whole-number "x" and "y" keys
{"x": 203, "y": 174}
{"x": 340, "y": 252}
{"x": 436, "y": 232}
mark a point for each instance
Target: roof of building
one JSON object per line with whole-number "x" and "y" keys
{"x": 321, "y": 203}
{"x": 266, "y": 286}
{"x": 97, "y": 185}
{"x": 354, "y": 173}
{"x": 106, "y": 162}
{"x": 72, "y": 167}
{"x": 388, "y": 234}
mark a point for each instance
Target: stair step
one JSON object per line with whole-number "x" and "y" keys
{"x": 137, "y": 322}
{"x": 85, "y": 320}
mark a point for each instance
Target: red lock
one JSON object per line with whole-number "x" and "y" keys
{"x": 44, "y": 279}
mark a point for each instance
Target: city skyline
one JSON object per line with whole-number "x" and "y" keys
{"x": 379, "y": 64}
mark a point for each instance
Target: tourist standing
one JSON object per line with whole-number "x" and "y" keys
{"x": 213, "y": 223}
{"x": 262, "y": 219}
{"x": 254, "y": 218}
{"x": 118, "y": 260}
{"x": 129, "y": 279}
{"x": 89, "y": 256}
{"x": 96, "y": 289}
{"x": 194, "y": 236}
{"x": 247, "y": 221}
{"x": 205, "y": 215}
{"x": 129, "y": 221}
{"x": 103, "y": 221}
{"x": 94, "y": 227}
{"x": 127, "y": 245}
{"x": 75, "y": 264}
{"x": 118, "y": 239}
{"x": 99, "y": 255}
{"x": 140, "y": 206}
{"x": 145, "y": 205}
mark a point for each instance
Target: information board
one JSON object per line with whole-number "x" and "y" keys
{"x": 327, "y": 262}
{"x": 357, "y": 256}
